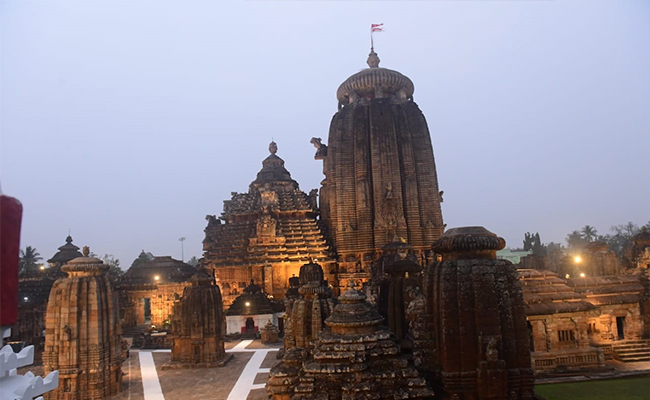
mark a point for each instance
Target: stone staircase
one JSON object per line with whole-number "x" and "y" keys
{"x": 632, "y": 350}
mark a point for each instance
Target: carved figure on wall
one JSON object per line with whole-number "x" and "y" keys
{"x": 440, "y": 194}
{"x": 266, "y": 226}
{"x": 321, "y": 149}
{"x": 491, "y": 351}
{"x": 212, "y": 220}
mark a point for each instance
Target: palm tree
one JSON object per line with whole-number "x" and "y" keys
{"x": 29, "y": 259}
{"x": 589, "y": 233}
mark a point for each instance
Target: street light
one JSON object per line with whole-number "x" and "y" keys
{"x": 577, "y": 259}
{"x": 156, "y": 278}
{"x": 182, "y": 239}
{"x": 582, "y": 274}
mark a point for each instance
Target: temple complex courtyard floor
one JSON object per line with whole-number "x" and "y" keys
{"x": 242, "y": 378}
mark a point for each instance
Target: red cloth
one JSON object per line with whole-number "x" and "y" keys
{"x": 11, "y": 214}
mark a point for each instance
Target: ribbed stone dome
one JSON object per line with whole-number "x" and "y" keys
{"x": 375, "y": 82}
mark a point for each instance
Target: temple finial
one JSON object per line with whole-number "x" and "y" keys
{"x": 373, "y": 59}
{"x": 86, "y": 251}
{"x": 273, "y": 147}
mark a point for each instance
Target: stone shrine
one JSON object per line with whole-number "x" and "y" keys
{"x": 251, "y": 311}
{"x": 198, "y": 326}
{"x": 355, "y": 358}
{"x": 82, "y": 337}
{"x": 308, "y": 304}
{"x": 481, "y": 340}
{"x": 265, "y": 234}
{"x": 380, "y": 174}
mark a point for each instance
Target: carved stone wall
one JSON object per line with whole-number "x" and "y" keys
{"x": 380, "y": 175}
{"x": 266, "y": 234}
{"x": 481, "y": 340}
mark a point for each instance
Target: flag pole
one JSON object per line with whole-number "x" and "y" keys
{"x": 372, "y": 44}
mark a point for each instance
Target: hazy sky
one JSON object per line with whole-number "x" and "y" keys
{"x": 129, "y": 121}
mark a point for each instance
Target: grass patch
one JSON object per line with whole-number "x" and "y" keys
{"x": 620, "y": 389}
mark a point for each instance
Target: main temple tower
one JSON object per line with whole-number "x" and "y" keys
{"x": 380, "y": 174}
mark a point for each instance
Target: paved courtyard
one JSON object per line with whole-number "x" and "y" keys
{"x": 242, "y": 378}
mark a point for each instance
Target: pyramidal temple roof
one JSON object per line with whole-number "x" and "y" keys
{"x": 66, "y": 253}
{"x": 273, "y": 170}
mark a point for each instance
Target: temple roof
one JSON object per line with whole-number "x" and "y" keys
{"x": 273, "y": 170}
{"x": 252, "y": 302}
{"x": 368, "y": 82}
{"x": 66, "y": 253}
{"x": 165, "y": 267}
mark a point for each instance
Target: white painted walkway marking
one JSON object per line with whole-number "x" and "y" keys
{"x": 150, "y": 382}
{"x": 245, "y": 384}
{"x": 242, "y": 345}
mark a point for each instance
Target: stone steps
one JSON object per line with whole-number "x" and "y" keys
{"x": 632, "y": 350}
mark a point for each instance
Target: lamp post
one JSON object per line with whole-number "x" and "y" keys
{"x": 182, "y": 239}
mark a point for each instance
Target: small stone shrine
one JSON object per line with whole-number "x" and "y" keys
{"x": 481, "y": 339}
{"x": 251, "y": 311}
{"x": 198, "y": 326}
{"x": 82, "y": 339}
{"x": 305, "y": 320}
{"x": 270, "y": 333}
{"x": 356, "y": 358}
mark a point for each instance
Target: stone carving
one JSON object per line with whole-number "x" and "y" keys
{"x": 321, "y": 149}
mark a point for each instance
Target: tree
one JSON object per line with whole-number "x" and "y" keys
{"x": 575, "y": 240}
{"x": 29, "y": 259}
{"x": 553, "y": 247}
{"x": 589, "y": 233}
{"x": 193, "y": 261}
{"x": 114, "y": 270}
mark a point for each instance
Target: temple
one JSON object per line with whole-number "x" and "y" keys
{"x": 265, "y": 234}
{"x": 198, "y": 326}
{"x": 380, "y": 174}
{"x": 82, "y": 339}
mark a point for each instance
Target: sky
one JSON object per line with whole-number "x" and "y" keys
{"x": 127, "y": 122}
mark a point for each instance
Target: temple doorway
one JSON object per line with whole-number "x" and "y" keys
{"x": 250, "y": 325}
{"x": 147, "y": 311}
{"x": 620, "y": 327}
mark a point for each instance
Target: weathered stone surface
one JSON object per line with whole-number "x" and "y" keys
{"x": 82, "y": 339}
{"x": 265, "y": 234}
{"x": 380, "y": 175}
{"x": 198, "y": 326}
{"x": 354, "y": 358}
{"x": 480, "y": 340}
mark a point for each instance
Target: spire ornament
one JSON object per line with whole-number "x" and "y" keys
{"x": 273, "y": 148}
{"x": 373, "y": 59}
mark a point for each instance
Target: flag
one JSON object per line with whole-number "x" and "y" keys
{"x": 376, "y": 27}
